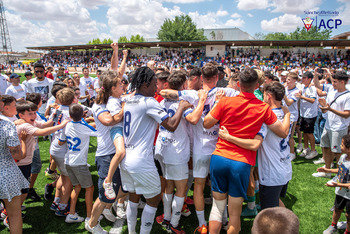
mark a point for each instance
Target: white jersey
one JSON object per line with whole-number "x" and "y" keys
{"x": 293, "y": 108}
{"x": 56, "y": 149}
{"x": 275, "y": 166}
{"x": 204, "y": 140}
{"x": 3, "y": 84}
{"x": 174, "y": 147}
{"x": 308, "y": 109}
{"x": 141, "y": 118}
{"x": 83, "y": 90}
{"x": 89, "y": 84}
{"x": 77, "y": 134}
{"x": 25, "y": 83}
{"x": 335, "y": 122}
{"x": 44, "y": 88}
{"x": 105, "y": 145}
{"x": 114, "y": 106}
{"x": 18, "y": 92}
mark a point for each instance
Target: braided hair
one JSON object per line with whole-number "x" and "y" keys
{"x": 140, "y": 76}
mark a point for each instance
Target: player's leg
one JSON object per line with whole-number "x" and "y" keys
{"x": 178, "y": 201}
{"x": 234, "y": 211}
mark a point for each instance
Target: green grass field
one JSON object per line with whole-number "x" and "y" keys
{"x": 307, "y": 197}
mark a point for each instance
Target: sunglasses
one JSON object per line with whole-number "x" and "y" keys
{"x": 39, "y": 71}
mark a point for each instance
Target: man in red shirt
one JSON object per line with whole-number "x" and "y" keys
{"x": 230, "y": 164}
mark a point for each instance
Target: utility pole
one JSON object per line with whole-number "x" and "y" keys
{"x": 6, "y": 47}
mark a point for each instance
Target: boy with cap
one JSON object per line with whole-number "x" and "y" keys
{"x": 16, "y": 89}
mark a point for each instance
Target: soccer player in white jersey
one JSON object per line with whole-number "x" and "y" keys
{"x": 77, "y": 135}
{"x": 142, "y": 114}
{"x": 292, "y": 102}
{"x": 174, "y": 150}
{"x": 204, "y": 139}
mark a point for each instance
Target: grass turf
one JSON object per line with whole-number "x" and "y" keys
{"x": 307, "y": 197}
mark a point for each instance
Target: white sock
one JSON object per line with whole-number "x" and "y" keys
{"x": 251, "y": 205}
{"x": 131, "y": 215}
{"x": 178, "y": 202}
{"x": 62, "y": 206}
{"x": 167, "y": 199}
{"x": 189, "y": 181}
{"x": 57, "y": 200}
{"x": 201, "y": 218}
{"x": 147, "y": 219}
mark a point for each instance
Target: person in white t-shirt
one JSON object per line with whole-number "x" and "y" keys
{"x": 77, "y": 135}
{"x": 3, "y": 84}
{"x": 17, "y": 90}
{"x": 337, "y": 107}
{"x": 88, "y": 82}
{"x": 84, "y": 94}
{"x": 41, "y": 85}
{"x": 142, "y": 114}
{"x": 28, "y": 75}
{"x": 291, "y": 101}
{"x": 308, "y": 114}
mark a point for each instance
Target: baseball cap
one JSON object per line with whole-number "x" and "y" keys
{"x": 14, "y": 75}
{"x": 28, "y": 73}
{"x": 284, "y": 73}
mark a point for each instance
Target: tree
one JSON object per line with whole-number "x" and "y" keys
{"x": 136, "y": 38}
{"x": 259, "y": 36}
{"x": 181, "y": 28}
{"x": 96, "y": 41}
{"x": 123, "y": 39}
{"x": 301, "y": 34}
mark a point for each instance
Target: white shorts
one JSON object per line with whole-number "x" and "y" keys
{"x": 146, "y": 183}
{"x": 330, "y": 139}
{"x": 60, "y": 165}
{"x": 201, "y": 165}
{"x": 176, "y": 172}
{"x": 159, "y": 158}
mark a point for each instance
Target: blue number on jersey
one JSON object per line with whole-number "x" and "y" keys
{"x": 285, "y": 142}
{"x": 127, "y": 120}
{"x": 73, "y": 145}
{"x": 206, "y": 109}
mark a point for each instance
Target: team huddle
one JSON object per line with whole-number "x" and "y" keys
{"x": 167, "y": 129}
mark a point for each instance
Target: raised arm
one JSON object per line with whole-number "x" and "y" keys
{"x": 114, "y": 59}
{"x": 171, "y": 124}
{"x": 50, "y": 130}
{"x": 250, "y": 144}
{"x": 122, "y": 65}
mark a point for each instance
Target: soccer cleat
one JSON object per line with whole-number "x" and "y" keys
{"x": 109, "y": 191}
{"x": 341, "y": 225}
{"x": 175, "y": 230}
{"x": 185, "y": 211}
{"x": 121, "y": 212}
{"x": 164, "y": 223}
{"x": 108, "y": 214}
{"x": 330, "y": 230}
{"x": 54, "y": 206}
{"x": 62, "y": 213}
{"x": 319, "y": 161}
{"x": 189, "y": 201}
{"x": 52, "y": 176}
{"x": 23, "y": 208}
{"x": 305, "y": 152}
{"x": 299, "y": 148}
{"x": 202, "y": 230}
{"x": 3, "y": 214}
{"x": 95, "y": 230}
{"x": 292, "y": 156}
{"x": 6, "y": 222}
{"x": 246, "y": 212}
{"x": 33, "y": 195}
{"x": 322, "y": 174}
{"x": 48, "y": 191}
{"x": 311, "y": 155}
{"x": 74, "y": 218}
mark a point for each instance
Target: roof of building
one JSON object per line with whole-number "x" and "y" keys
{"x": 187, "y": 44}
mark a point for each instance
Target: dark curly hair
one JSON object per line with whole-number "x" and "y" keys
{"x": 140, "y": 76}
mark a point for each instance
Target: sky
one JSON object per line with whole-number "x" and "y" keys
{"x": 72, "y": 22}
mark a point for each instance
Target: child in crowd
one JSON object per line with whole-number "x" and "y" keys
{"x": 77, "y": 135}
{"x": 65, "y": 98}
{"x": 9, "y": 111}
{"x": 26, "y": 111}
{"x": 342, "y": 184}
